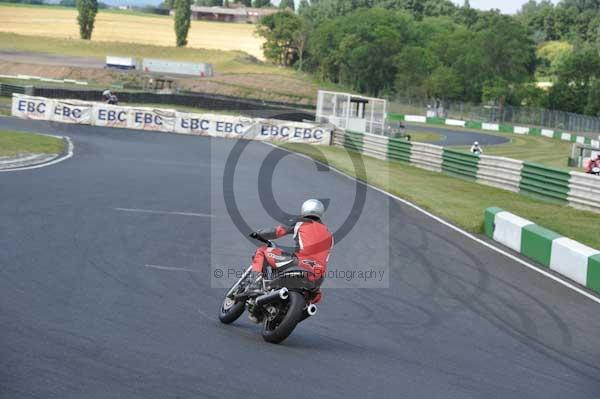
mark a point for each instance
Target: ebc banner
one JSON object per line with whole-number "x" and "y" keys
{"x": 162, "y": 120}
{"x": 110, "y": 115}
{"x": 72, "y": 111}
{"x": 28, "y": 107}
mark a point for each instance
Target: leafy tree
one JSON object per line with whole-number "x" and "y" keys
{"x": 87, "y": 10}
{"x": 593, "y": 101}
{"x": 208, "y": 3}
{"x": 183, "y": 14}
{"x": 576, "y": 87}
{"x": 169, "y": 4}
{"x": 287, "y": 4}
{"x": 281, "y": 32}
{"x": 445, "y": 83}
{"x": 359, "y": 49}
{"x": 262, "y": 3}
{"x": 303, "y": 6}
{"x": 414, "y": 65}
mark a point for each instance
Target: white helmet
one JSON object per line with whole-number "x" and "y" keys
{"x": 106, "y": 93}
{"x": 312, "y": 207}
{"x": 476, "y": 143}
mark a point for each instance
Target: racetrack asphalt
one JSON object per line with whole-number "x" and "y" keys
{"x": 105, "y": 288}
{"x": 458, "y": 137}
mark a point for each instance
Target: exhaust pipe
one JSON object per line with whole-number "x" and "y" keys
{"x": 311, "y": 309}
{"x": 272, "y": 297}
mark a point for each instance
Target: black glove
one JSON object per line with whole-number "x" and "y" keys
{"x": 254, "y": 235}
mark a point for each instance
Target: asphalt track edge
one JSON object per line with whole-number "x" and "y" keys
{"x": 66, "y": 154}
{"x": 455, "y": 228}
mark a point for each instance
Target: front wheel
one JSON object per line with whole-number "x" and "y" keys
{"x": 289, "y": 313}
{"x": 231, "y": 310}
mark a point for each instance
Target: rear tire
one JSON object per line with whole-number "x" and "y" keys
{"x": 231, "y": 312}
{"x": 276, "y": 334}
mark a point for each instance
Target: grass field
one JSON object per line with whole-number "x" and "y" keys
{"x": 61, "y": 22}
{"x": 13, "y": 143}
{"x": 424, "y": 137}
{"x": 459, "y": 201}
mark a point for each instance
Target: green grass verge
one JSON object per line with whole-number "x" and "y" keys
{"x": 13, "y": 143}
{"x": 459, "y": 201}
{"x": 424, "y": 137}
{"x": 5, "y": 105}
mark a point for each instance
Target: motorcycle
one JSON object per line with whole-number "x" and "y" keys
{"x": 282, "y": 301}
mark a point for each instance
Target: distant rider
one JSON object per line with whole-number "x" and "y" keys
{"x": 313, "y": 239}
{"x": 476, "y": 149}
{"x": 110, "y": 98}
{"x": 592, "y": 164}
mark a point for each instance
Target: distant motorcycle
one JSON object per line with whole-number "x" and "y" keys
{"x": 282, "y": 301}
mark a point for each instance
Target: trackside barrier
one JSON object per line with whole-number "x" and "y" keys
{"x": 554, "y": 185}
{"x": 584, "y": 191}
{"x": 460, "y": 163}
{"x": 426, "y": 156}
{"x": 167, "y": 120}
{"x": 567, "y": 257}
{"x": 494, "y": 127}
{"x": 548, "y": 183}
{"x": 499, "y": 172}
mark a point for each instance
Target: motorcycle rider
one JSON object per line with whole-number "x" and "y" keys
{"x": 591, "y": 164}
{"x": 476, "y": 149}
{"x": 110, "y": 98}
{"x": 313, "y": 239}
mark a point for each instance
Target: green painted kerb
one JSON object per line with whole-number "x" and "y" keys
{"x": 353, "y": 141}
{"x": 395, "y": 117}
{"x": 535, "y": 131}
{"x": 488, "y": 220}
{"x": 506, "y": 128}
{"x": 436, "y": 121}
{"x": 593, "y": 273}
{"x": 536, "y": 243}
{"x": 474, "y": 125}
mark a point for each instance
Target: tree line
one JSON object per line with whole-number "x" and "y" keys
{"x": 435, "y": 49}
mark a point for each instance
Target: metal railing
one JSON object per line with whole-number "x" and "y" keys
{"x": 528, "y": 116}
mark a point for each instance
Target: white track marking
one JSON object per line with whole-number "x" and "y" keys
{"x": 455, "y": 228}
{"x": 200, "y": 215}
{"x": 170, "y": 268}
{"x": 69, "y": 154}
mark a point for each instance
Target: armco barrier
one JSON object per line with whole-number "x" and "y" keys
{"x": 398, "y": 150}
{"x": 375, "y": 146}
{"x": 353, "y": 141}
{"x": 460, "y": 163}
{"x": 499, "y": 172}
{"x": 167, "y": 120}
{"x": 497, "y": 128}
{"x": 584, "y": 191}
{"x": 573, "y": 188}
{"x": 570, "y": 258}
{"x": 547, "y": 183}
{"x": 426, "y": 156}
